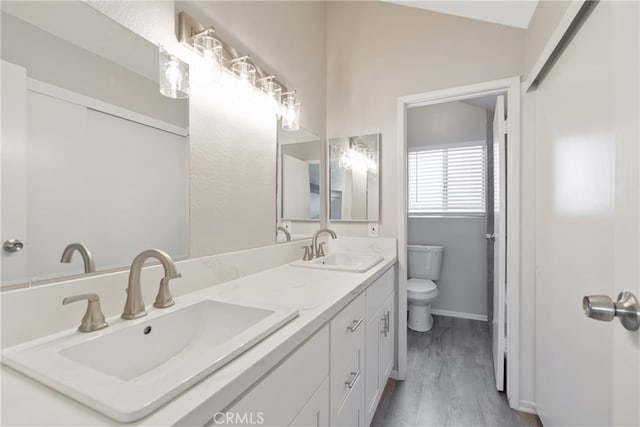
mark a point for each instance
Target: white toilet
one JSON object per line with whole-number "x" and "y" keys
{"x": 425, "y": 264}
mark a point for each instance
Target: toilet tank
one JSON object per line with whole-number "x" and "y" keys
{"x": 425, "y": 261}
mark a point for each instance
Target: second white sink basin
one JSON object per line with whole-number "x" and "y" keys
{"x": 342, "y": 262}
{"x": 133, "y": 367}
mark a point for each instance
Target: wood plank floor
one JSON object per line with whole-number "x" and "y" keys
{"x": 450, "y": 381}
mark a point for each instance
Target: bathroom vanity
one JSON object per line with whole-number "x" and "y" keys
{"x": 328, "y": 366}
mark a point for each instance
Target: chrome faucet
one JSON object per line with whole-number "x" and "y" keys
{"x": 315, "y": 249}
{"x": 134, "y": 307}
{"x": 87, "y": 257}
{"x": 285, "y": 231}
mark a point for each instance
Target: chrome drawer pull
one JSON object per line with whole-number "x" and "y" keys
{"x": 352, "y": 381}
{"x": 356, "y": 325}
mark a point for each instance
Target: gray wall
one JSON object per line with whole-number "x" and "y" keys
{"x": 463, "y": 286}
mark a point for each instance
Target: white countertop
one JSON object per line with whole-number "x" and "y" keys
{"x": 317, "y": 294}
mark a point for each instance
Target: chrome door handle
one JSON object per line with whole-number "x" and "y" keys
{"x": 626, "y": 308}
{"x": 356, "y": 325}
{"x": 12, "y": 245}
{"x": 354, "y": 377}
{"x": 491, "y": 236}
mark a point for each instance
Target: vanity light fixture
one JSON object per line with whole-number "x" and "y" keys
{"x": 251, "y": 77}
{"x": 290, "y": 112}
{"x": 173, "y": 75}
{"x": 358, "y": 156}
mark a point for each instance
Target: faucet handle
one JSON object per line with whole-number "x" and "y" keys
{"x": 320, "y": 250}
{"x": 93, "y": 318}
{"x": 164, "y": 298}
{"x": 308, "y": 253}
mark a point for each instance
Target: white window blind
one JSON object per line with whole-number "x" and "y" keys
{"x": 447, "y": 180}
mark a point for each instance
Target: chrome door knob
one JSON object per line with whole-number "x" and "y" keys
{"x": 12, "y": 245}
{"x": 626, "y": 308}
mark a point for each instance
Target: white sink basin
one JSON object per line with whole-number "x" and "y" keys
{"x": 342, "y": 262}
{"x": 133, "y": 367}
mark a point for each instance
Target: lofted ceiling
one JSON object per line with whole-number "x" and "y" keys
{"x": 514, "y": 13}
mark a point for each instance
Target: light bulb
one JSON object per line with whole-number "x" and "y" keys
{"x": 173, "y": 76}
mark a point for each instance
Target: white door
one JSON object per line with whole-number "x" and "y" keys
{"x": 14, "y": 173}
{"x": 500, "y": 242}
{"x": 587, "y": 222}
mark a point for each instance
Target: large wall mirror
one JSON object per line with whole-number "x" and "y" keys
{"x": 91, "y": 152}
{"x": 299, "y": 183}
{"x": 354, "y": 192}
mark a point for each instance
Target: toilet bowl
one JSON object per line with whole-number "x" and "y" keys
{"x": 425, "y": 265}
{"x": 420, "y": 295}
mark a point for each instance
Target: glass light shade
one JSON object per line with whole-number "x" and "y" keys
{"x": 211, "y": 50}
{"x": 246, "y": 74}
{"x": 173, "y": 75}
{"x": 274, "y": 91}
{"x": 291, "y": 115}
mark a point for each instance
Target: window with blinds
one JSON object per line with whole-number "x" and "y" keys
{"x": 447, "y": 180}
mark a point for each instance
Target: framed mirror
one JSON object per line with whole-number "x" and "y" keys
{"x": 299, "y": 183}
{"x": 354, "y": 191}
{"x": 92, "y": 155}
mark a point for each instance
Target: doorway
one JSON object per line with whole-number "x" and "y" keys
{"x": 505, "y": 343}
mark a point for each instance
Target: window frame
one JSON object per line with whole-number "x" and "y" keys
{"x": 436, "y": 147}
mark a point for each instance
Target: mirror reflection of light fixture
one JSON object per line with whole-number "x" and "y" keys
{"x": 274, "y": 91}
{"x": 358, "y": 157}
{"x": 290, "y": 112}
{"x": 173, "y": 75}
{"x": 246, "y": 74}
{"x": 211, "y": 50}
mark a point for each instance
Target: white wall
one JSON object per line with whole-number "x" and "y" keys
{"x": 287, "y": 38}
{"x": 463, "y": 286}
{"x": 377, "y": 52}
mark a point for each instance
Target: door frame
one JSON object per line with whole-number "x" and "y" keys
{"x": 510, "y": 86}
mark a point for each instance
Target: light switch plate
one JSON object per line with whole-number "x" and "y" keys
{"x": 373, "y": 229}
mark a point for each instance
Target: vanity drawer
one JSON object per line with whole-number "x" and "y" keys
{"x": 347, "y": 330}
{"x": 378, "y": 292}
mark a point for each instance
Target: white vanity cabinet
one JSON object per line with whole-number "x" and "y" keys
{"x": 295, "y": 393}
{"x": 347, "y": 365}
{"x": 362, "y": 353}
{"x": 336, "y": 378}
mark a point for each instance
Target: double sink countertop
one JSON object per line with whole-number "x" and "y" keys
{"x": 318, "y": 295}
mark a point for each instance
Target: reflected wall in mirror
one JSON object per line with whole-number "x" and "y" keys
{"x": 354, "y": 178}
{"x": 299, "y": 183}
{"x": 91, "y": 152}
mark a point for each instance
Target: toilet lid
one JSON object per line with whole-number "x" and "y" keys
{"x": 420, "y": 285}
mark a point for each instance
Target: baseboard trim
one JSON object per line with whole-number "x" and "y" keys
{"x": 395, "y": 375}
{"x": 459, "y": 314}
{"x": 528, "y": 407}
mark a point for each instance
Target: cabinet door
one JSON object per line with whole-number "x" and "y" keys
{"x": 385, "y": 346}
{"x": 350, "y": 414}
{"x": 373, "y": 333}
{"x": 316, "y": 411}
